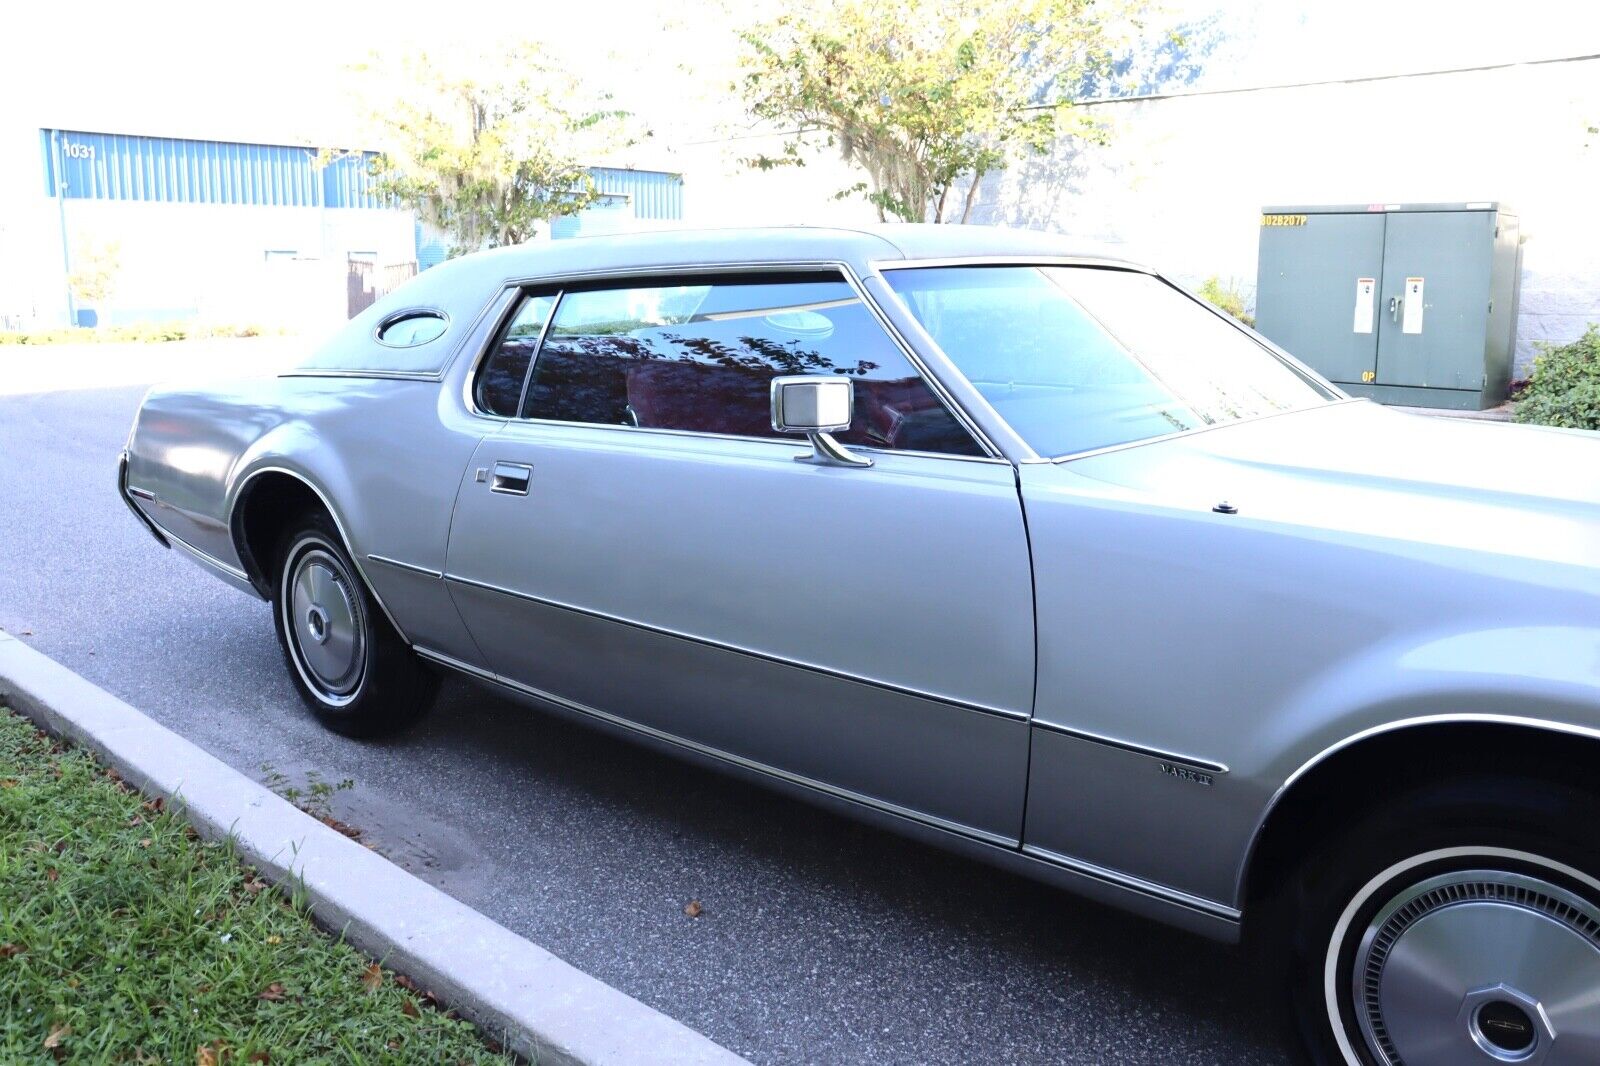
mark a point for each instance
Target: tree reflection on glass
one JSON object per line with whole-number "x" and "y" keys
{"x": 708, "y": 366}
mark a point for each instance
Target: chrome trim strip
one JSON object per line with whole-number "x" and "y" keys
{"x": 704, "y": 749}
{"x": 1128, "y": 745}
{"x": 1173, "y": 896}
{"x": 1545, "y": 724}
{"x": 391, "y": 375}
{"x": 1012, "y": 260}
{"x": 800, "y": 446}
{"x": 400, "y": 564}
{"x": 143, "y": 494}
{"x": 961, "y": 414}
{"x": 237, "y": 492}
{"x": 558, "y": 283}
{"x": 123, "y": 490}
{"x": 207, "y": 558}
{"x": 999, "y": 712}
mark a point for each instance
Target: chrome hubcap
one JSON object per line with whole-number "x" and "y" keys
{"x": 327, "y": 623}
{"x": 1483, "y": 967}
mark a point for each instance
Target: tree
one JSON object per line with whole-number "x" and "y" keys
{"x": 94, "y": 275}
{"x": 925, "y": 94}
{"x": 488, "y": 146}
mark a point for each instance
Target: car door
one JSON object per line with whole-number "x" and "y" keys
{"x": 638, "y": 544}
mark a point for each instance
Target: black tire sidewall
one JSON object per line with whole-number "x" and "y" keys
{"x": 395, "y": 688}
{"x": 1510, "y": 825}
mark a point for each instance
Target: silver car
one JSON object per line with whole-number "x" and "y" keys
{"x": 1031, "y": 555}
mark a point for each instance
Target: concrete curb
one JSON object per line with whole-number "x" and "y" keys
{"x": 516, "y": 991}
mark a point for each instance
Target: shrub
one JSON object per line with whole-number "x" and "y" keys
{"x": 1564, "y": 389}
{"x": 1225, "y": 296}
{"x": 138, "y": 333}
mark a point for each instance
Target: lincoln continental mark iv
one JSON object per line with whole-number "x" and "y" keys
{"x": 1029, "y": 554}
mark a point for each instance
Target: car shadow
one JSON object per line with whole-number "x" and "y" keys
{"x": 918, "y": 898}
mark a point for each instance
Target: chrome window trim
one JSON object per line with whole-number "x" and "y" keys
{"x": 1546, "y": 725}
{"x": 237, "y": 492}
{"x": 799, "y": 664}
{"x": 1311, "y": 377}
{"x": 881, "y": 265}
{"x": 412, "y": 312}
{"x": 560, "y": 283}
{"x": 1129, "y": 746}
{"x": 1010, "y": 843}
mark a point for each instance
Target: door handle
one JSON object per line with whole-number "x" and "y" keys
{"x": 511, "y": 478}
{"x": 1394, "y": 309}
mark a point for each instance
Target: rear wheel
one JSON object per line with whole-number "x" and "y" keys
{"x": 347, "y": 662}
{"x": 1459, "y": 927}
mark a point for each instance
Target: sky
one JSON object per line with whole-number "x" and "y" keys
{"x": 275, "y": 72}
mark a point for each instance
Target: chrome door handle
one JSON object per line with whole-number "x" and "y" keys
{"x": 511, "y": 478}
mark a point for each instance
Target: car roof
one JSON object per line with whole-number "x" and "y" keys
{"x": 689, "y": 248}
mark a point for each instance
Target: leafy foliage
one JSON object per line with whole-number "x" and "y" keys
{"x": 488, "y": 146}
{"x": 1225, "y": 296}
{"x": 1565, "y": 387}
{"x": 925, "y": 94}
{"x": 94, "y": 275}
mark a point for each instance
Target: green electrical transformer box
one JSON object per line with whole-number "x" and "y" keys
{"x": 1411, "y": 304}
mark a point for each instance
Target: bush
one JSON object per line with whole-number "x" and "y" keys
{"x": 1565, "y": 387}
{"x": 1225, "y": 296}
{"x": 138, "y": 333}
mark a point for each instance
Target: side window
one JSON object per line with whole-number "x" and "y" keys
{"x": 700, "y": 357}
{"x": 499, "y": 387}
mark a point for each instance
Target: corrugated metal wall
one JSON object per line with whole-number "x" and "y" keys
{"x": 653, "y": 194}
{"x": 110, "y": 166}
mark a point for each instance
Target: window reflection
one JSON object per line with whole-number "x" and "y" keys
{"x": 701, "y": 358}
{"x": 500, "y": 381}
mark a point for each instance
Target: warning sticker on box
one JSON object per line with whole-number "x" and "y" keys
{"x": 1411, "y": 320}
{"x": 1365, "y": 290}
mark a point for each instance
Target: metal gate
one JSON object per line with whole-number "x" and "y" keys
{"x": 366, "y": 282}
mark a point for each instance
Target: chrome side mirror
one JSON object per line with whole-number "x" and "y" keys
{"x": 816, "y": 406}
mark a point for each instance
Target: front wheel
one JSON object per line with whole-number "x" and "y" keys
{"x": 347, "y": 662}
{"x": 1459, "y": 928}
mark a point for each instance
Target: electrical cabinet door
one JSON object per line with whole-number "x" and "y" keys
{"x": 1435, "y": 303}
{"x": 1331, "y": 325}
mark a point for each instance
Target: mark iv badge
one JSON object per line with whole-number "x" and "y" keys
{"x": 1183, "y": 773}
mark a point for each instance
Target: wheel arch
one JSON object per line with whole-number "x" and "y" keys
{"x": 265, "y": 502}
{"x": 1335, "y": 787}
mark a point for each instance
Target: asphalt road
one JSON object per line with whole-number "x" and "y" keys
{"x": 821, "y": 940}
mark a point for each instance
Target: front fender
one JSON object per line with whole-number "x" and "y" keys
{"x": 1532, "y": 677}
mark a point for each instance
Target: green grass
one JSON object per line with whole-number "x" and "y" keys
{"x": 125, "y": 938}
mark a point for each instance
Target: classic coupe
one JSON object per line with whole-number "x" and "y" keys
{"x": 1031, "y": 554}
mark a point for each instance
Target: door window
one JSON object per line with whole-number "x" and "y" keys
{"x": 500, "y": 380}
{"x": 700, "y": 357}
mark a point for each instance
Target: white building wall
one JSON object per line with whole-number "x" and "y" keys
{"x": 221, "y": 263}
{"x": 1182, "y": 181}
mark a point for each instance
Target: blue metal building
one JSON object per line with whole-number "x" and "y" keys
{"x": 201, "y": 224}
